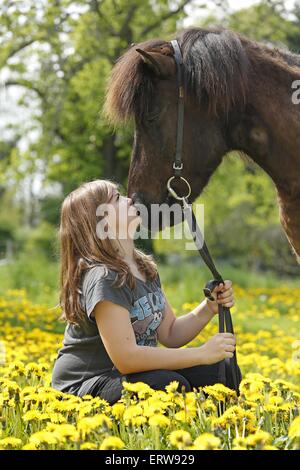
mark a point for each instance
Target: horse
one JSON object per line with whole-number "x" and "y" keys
{"x": 239, "y": 95}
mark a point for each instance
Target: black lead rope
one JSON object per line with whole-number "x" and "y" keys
{"x": 225, "y": 319}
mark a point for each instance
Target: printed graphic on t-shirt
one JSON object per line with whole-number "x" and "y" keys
{"x": 146, "y": 316}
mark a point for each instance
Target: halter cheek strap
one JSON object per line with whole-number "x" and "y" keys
{"x": 178, "y": 164}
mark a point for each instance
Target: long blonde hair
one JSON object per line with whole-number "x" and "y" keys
{"x": 81, "y": 248}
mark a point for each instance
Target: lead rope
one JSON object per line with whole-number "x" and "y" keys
{"x": 224, "y": 312}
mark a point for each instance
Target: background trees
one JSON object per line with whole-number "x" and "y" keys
{"x": 55, "y": 57}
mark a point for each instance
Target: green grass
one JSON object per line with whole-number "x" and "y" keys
{"x": 34, "y": 272}
{"x": 182, "y": 281}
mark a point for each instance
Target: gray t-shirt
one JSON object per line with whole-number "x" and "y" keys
{"x": 83, "y": 354}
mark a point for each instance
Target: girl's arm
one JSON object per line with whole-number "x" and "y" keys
{"x": 176, "y": 332}
{"x": 118, "y": 337}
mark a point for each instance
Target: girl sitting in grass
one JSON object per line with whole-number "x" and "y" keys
{"x": 115, "y": 308}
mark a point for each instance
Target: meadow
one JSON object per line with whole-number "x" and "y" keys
{"x": 264, "y": 416}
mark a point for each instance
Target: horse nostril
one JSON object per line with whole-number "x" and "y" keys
{"x": 133, "y": 198}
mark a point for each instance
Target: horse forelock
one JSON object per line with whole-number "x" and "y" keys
{"x": 131, "y": 86}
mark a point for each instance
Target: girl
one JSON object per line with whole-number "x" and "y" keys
{"x": 116, "y": 310}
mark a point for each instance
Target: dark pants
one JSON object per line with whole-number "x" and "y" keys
{"x": 109, "y": 384}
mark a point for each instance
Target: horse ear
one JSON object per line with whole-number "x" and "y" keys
{"x": 160, "y": 63}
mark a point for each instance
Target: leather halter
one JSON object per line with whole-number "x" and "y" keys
{"x": 178, "y": 163}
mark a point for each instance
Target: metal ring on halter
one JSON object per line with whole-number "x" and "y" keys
{"x": 174, "y": 194}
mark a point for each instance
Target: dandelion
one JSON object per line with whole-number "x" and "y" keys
{"x": 10, "y": 443}
{"x": 219, "y": 392}
{"x": 180, "y": 439}
{"x": 132, "y": 412}
{"x": 112, "y": 443}
{"x": 88, "y": 446}
{"x": 209, "y": 406}
{"x": 64, "y": 431}
{"x": 259, "y": 439}
{"x": 43, "y": 437}
{"x": 29, "y": 446}
{"x": 172, "y": 387}
{"x": 185, "y": 416}
{"x": 294, "y": 431}
{"x": 117, "y": 410}
{"x": 86, "y": 425}
{"x": 140, "y": 388}
{"x": 207, "y": 441}
{"x": 138, "y": 421}
{"x": 159, "y": 420}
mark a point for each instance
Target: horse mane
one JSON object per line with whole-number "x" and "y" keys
{"x": 217, "y": 62}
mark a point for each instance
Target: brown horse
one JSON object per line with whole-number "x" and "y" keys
{"x": 239, "y": 95}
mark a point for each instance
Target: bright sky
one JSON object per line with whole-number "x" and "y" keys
{"x": 195, "y": 13}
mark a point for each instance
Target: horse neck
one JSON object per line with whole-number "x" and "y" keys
{"x": 268, "y": 131}
{"x": 269, "y": 128}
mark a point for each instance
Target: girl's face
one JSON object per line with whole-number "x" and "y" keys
{"x": 122, "y": 215}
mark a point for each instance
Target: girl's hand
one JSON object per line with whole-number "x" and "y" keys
{"x": 223, "y": 295}
{"x": 219, "y": 347}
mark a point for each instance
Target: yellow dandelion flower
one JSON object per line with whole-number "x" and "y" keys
{"x": 294, "y": 431}
{"x": 207, "y": 441}
{"x": 88, "y": 446}
{"x": 112, "y": 443}
{"x": 209, "y": 406}
{"x": 172, "y": 387}
{"x": 185, "y": 417}
{"x": 132, "y": 411}
{"x": 43, "y": 437}
{"x": 64, "y": 431}
{"x": 239, "y": 442}
{"x": 29, "y": 446}
{"x": 140, "y": 388}
{"x": 159, "y": 420}
{"x": 180, "y": 439}
{"x": 219, "y": 391}
{"x": 117, "y": 410}
{"x": 35, "y": 415}
{"x": 260, "y": 438}
{"x": 137, "y": 421}
{"x": 10, "y": 443}
{"x": 276, "y": 400}
{"x": 88, "y": 424}
{"x": 235, "y": 415}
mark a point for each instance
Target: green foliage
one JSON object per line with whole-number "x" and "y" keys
{"x": 60, "y": 54}
{"x": 42, "y": 238}
{"x": 264, "y": 21}
{"x": 33, "y": 271}
{"x": 241, "y": 221}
